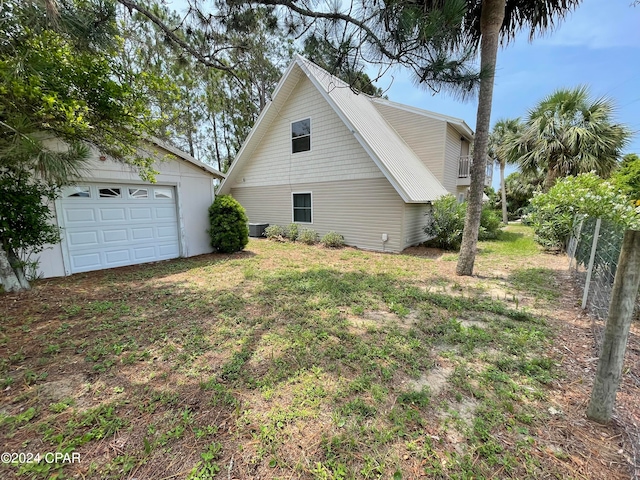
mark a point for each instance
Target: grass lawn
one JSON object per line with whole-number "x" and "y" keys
{"x": 294, "y": 361}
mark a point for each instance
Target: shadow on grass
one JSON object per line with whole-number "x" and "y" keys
{"x": 184, "y": 366}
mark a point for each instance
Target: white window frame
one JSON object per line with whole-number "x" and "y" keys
{"x": 73, "y": 191}
{"x": 293, "y": 208}
{"x": 161, "y": 191}
{"x": 310, "y": 135}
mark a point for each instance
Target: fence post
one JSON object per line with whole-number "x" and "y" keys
{"x": 594, "y": 247}
{"x": 574, "y": 240}
{"x": 623, "y": 297}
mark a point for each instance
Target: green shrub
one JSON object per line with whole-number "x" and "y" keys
{"x": 445, "y": 223}
{"x": 555, "y": 212}
{"x": 308, "y": 236}
{"x": 292, "y": 232}
{"x": 489, "y": 223}
{"x": 333, "y": 240}
{"x": 275, "y": 232}
{"x": 228, "y": 230}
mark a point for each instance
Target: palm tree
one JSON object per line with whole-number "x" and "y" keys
{"x": 489, "y": 22}
{"x": 568, "y": 133}
{"x": 499, "y": 151}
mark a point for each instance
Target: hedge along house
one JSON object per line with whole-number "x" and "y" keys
{"x": 110, "y": 218}
{"x": 328, "y": 158}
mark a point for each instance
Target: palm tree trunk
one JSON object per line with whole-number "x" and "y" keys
{"x": 503, "y": 190}
{"x": 490, "y": 23}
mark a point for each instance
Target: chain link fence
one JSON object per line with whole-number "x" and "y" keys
{"x": 593, "y": 250}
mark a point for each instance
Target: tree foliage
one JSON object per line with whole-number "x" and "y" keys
{"x": 61, "y": 90}
{"x": 556, "y": 211}
{"x": 627, "y": 176}
{"x": 569, "y": 133}
{"x": 499, "y": 151}
{"x": 60, "y": 80}
{"x": 520, "y": 188}
{"x": 202, "y": 109}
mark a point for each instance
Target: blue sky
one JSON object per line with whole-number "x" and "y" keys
{"x": 597, "y": 45}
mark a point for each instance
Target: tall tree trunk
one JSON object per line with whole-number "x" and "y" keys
{"x": 490, "y": 23}
{"x": 18, "y": 268}
{"x": 11, "y": 282}
{"x": 616, "y": 335}
{"x": 551, "y": 177}
{"x": 216, "y": 140}
{"x": 503, "y": 190}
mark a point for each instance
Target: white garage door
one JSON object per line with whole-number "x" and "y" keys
{"x": 107, "y": 225}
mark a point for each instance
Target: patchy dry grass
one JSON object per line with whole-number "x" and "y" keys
{"x": 291, "y": 361}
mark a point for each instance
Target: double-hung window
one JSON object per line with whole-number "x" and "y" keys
{"x": 302, "y": 208}
{"x": 301, "y": 136}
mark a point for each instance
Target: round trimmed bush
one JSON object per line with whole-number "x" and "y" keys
{"x": 229, "y": 231}
{"x": 275, "y": 232}
{"x": 308, "y": 236}
{"x": 333, "y": 240}
{"x": 292, "y": 232}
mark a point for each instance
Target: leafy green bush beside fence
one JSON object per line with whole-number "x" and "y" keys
{"x": 555, "y": 212}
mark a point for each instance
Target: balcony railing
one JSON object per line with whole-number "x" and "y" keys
{"x": 464, "y": 169}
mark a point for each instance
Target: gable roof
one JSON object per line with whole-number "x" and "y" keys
{"x": 176, "y": 152}
{"x": 413, "y": 181}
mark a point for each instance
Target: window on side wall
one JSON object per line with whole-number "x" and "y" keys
{"x": 301, "y": 136}
{"x": 302, "y": 208}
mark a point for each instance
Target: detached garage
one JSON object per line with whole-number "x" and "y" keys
{"x": 112, "y": 219}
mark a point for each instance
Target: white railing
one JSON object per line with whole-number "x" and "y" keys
{"x": 464, "y": 168}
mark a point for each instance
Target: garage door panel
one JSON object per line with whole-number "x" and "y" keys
{"x": 82, "y": 239}
{"x": 144, "y": 253}
{"x": 168, "y": 251}
{"x": 113, "y": 236}
{"x": 85, "y": 262}
{"x": 145, "y": 233}
{"x": 166, "y": 231}
{"x": 78, "y": 215}
{"x": 112, "y": 214}
{"x": 165, "y": 213}
{"x": 140, "y": 213}
{"x": 117, "y": 258}
{"x": 106, "y": 232}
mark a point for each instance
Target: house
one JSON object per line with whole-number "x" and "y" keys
{"x": 110, "y": 218}
{"x": 328, "y": 158}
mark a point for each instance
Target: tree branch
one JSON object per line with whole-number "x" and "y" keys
{"x": 205, "y": 60}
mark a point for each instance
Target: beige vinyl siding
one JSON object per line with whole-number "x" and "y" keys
{"x": 424, "y": 135}
{"x": 414, "y": 222}
{"x": 452, "y": 157}
{"x": 335, "y": 153}
{"x": 360, "y": 210}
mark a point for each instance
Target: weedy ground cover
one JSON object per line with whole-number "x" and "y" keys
{"x": 296, "y": 361}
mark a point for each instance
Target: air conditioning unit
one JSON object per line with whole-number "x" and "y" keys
{"x": 257, "y": 229}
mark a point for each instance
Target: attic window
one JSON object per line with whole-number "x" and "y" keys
{"x": 301, "y": 136}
